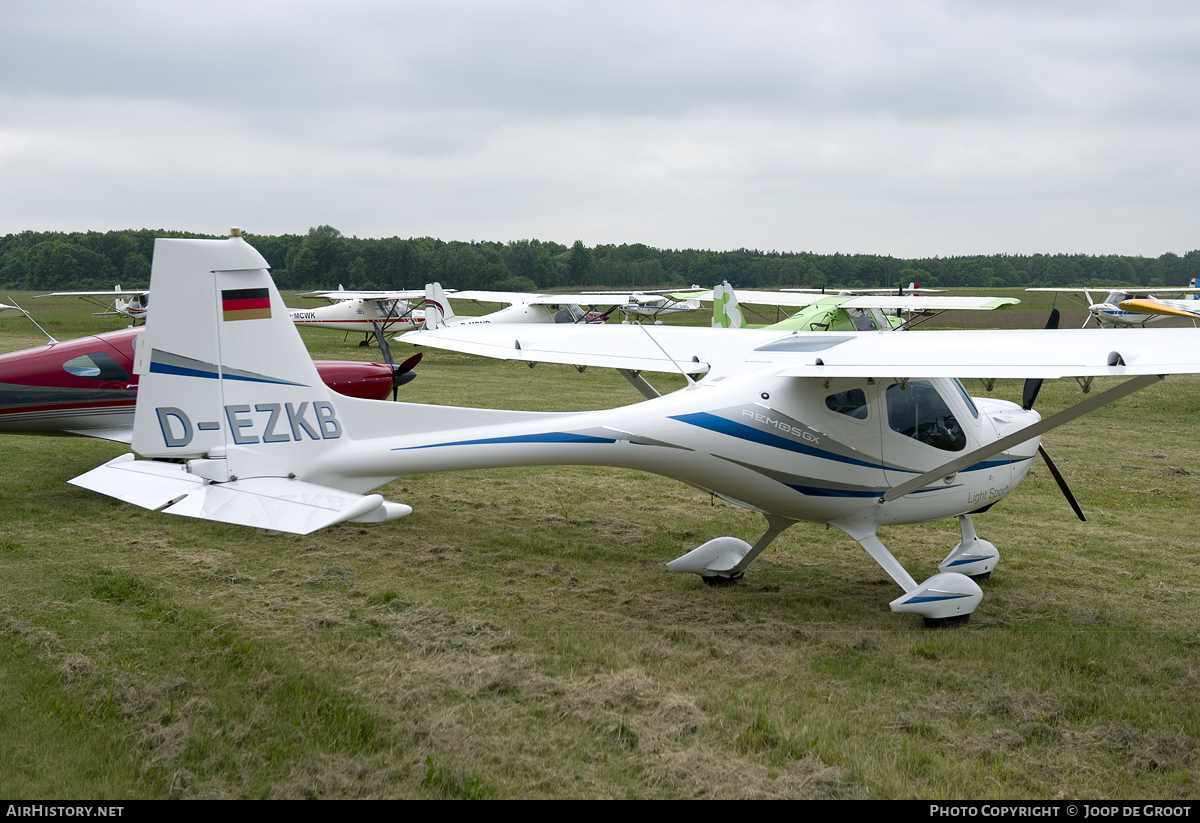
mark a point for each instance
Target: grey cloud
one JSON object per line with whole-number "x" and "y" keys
{"x": 827, "y": 125}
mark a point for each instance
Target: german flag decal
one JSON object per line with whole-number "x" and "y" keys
{"x": 245, "y": 304}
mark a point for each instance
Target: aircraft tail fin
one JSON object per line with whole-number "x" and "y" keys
{"x": 201, "y": 378}
{"x": 437, "y": 308}
{"x": 726, "y": 313}
{"x": 228, "y": 386}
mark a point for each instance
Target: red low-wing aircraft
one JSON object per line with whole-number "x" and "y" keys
{"x": 87, "y": 386}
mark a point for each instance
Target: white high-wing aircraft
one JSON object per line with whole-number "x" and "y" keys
{"x": 1126, "y": 307}
{"x": 649, "y": 304}
{"x": 857, "y": 430}
{"x": 113, "y": 302}
{"x": 522, "y": 307}
{"x": 368, "y": 312}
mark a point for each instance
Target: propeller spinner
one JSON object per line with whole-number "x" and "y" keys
{"x": 400, "y": 374}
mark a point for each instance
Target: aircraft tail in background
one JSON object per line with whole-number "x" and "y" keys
{"x": 726, "y": 312}
{"x": 438, "y": 312}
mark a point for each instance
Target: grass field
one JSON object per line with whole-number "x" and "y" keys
{"x": 519, "y": 636}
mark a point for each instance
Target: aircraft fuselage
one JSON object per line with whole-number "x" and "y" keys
{"x": 87, "y": 386}
{"x": 784, "y": 446}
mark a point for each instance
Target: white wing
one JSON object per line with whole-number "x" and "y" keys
{"x": 914, "y": 303}
{"x": 1048, "y": 353}
{"x": 888, "y": 301}
{"x": 517, "y": 298}
{"x": 335, "y": 296}
{"x": 117, "y": 292}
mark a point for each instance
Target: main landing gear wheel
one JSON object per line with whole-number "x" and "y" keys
{"x": 718, "y": 581}
{"x": 946, "y": 622}
{"x": 723, "y": 560}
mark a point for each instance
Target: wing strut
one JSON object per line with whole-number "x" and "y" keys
{"x": 28, "y": 315}
{"x": 640, "y": 383}
{"x": 686, "y": 376}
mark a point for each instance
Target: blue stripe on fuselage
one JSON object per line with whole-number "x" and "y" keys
{"x": 546, "y": 437}
{"x": 741, "y": 431}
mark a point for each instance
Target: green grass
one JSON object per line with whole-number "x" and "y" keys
{"x": 518, "y": 635}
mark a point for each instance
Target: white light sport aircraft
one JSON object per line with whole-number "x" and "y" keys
{"x": 857, "y": 430}
{"x": 369, "y": 312}
{"x": 522, "y": 307}
{"x": 1126, "y": 307}
{"x": 651, "y": 305}
{"x": 113, "y": 302}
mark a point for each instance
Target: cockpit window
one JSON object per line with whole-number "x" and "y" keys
{"x": 962, "y": 392}
{"x": 919, "y": 412}
{"x": 97, "y": 366}
{"x": 852, "y": 403}
{"x": 862, "y": 320}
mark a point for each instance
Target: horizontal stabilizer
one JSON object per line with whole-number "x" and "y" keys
{"x": 274, "y": 503}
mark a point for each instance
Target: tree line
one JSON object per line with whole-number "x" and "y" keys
{"x": 325, "y": 258}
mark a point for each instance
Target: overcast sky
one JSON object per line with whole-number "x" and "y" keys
{"x": 910, "y": 127}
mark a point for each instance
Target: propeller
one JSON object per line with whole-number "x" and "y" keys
{"x": 400, "y": 374}
{"x": 1093, "y": 308}
{"x": 404, "y": 372}
{"x": 1028, "y": 398}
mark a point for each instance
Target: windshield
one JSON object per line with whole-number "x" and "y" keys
{"x": 919, "y": 412}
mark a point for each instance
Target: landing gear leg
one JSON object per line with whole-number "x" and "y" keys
{"x": 946, "y": 599}
{"x": 973, "y": 557}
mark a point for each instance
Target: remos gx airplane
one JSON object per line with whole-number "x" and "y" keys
{"x": 857, "y": 430}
